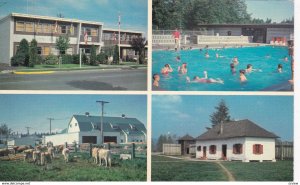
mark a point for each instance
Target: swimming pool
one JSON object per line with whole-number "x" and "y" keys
{"x": 264, "y": 58}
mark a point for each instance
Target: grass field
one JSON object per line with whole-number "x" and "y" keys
{"x": 80, "y": 169}
{"x": 167, "y": 169}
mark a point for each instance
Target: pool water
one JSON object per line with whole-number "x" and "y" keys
{"x": 263, "y": 58}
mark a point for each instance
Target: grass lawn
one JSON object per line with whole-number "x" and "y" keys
{"x": 166, "y": 169}
{"x": 78, "y": 170}
{"x": 265, "y": 171}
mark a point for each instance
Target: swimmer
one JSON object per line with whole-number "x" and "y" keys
{"x": 279, "y": 68}
{"x": 249, "y": 68}
{"x": 206, "y": 55}
{"x": 235, "y": 61}
{"x": 268, "y": 56}
{"x": 217, "y": 55}
{"x": 286, "y": 59}
{"x": 182, "y": 69}
{"x": 205, "y": 79}
{"x": 156, "y": 79}
{"x": 200, "y": 50}
{"x": 166, "y": 69}
{"x": 178, "y": 58}
{"x": 232, "y": 68}
{"x": 242, "y": 75}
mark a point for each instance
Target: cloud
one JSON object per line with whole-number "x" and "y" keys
{"x": 167, "y": 99}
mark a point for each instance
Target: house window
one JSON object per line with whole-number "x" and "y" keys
{"x": 258, "y": 149}
{"x": 212, "y": 149}
{"x": 75, "y": 124}
{"x": 39, "y": 50}
{"x": 237, "y": 149}
{"x": 46, "y": 50}
{"x": 70, "y": 125}
{"x": 63, "y": 29}
{"x": 198, "y": 148}
{"x": 20, "y": 26}
{"x": 94, "y": 32}
{"x": 29, "y": 27}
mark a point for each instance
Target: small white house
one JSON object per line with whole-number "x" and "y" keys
{"x": 236, "y": 140}
{"x": 87, "y": 129}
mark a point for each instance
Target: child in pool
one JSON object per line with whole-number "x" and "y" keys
{"x": 242, "y": 75}
{"x": 279, "y": 68}
{"x": 250, "y": 69}
{"x": 205, "y": 79}
{"x": 286, "y": 59}
{"x": 235, "y": 61}
{"x": 156, "y": 79}
{"x": 166, "y": 69}
{"x": 182, "y": 69}
{"x": 217, "y": 55}
{"x": 178, "y": 58}
{"x": 232, "y": 68}
{"x": 206, "y": 55}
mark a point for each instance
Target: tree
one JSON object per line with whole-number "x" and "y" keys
{"x": 93, "y": 57}
{"x": 21, "y": 57}
{"x": 138, "y": 44}
{"x": 163, "y": 139}
{"x": 33, "y": 53}
{"x": 116, "y": 54}
{"x": 4, "y": 130}
{"x": 62, "y": 44}
{"x": 221, "y": 114}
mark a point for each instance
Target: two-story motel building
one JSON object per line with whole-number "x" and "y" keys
{"x": 45, "y": 29}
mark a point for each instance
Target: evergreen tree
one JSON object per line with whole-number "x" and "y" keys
{"x": 221, "y": 114}
{"x": 21, "y": 57}
{"x": 93, "y": 57}
{"x": 62, "y": 44}
{"x": 33, "y": 53}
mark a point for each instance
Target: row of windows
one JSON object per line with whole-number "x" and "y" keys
{"x": 112, "y": 36}
{"x": 44, "y": 28}
{"x": 90, "y": 32}
{"x": 236, "y": 149}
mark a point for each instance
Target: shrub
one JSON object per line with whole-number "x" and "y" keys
{"x": 33, "y": 53}
{"x": 67, "y": 59}
{"x": 22, "y": 55}
{"x": 51, "y": 59}
{"x": 93, "y": 57}
{"x": 75, "y": 59}
{"x": 102, "y": 58}
{"x": 84, "y": 59}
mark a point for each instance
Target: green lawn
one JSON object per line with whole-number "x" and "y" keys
{"x": 78, "y": 170}
{"x": 265, "y": 171}
{"x": 166, "y": 169}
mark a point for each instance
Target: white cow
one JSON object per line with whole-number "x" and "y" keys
{"x": 66, "y": 154}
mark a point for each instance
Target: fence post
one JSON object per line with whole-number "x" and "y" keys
{"x": 75, "y": 145}
{"x": 281, "y": 152}
{"x": 91, "y": 149}
{"x": 133, "y": 151}
{"x": 66, "y": 145}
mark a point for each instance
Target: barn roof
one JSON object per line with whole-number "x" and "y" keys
{"x": 110, "y": 124}
{"x": 232, "y": 129}
{"x": 186, "y": 138}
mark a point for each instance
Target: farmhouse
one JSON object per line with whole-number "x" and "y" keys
{"x": 87, "y": 129}
{"x": 237, "y": 140}
{"x": 83, "y": 35}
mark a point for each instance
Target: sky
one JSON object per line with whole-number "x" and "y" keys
{"x": 277, "y": 10}
{"x": 133, "y": 13}
{"x": 20, "y": 111}
{"x": 189, "y": 114}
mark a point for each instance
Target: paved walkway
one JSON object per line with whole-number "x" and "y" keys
{"x": 229, "y": 175}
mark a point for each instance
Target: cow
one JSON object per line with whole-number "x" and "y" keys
{"x": 66, "y": 154}
{"x": 95, "y": 154}
{"x": 45, "y": 158}
{"x": 36, "y": 156}
{"x": 51, "y": 152}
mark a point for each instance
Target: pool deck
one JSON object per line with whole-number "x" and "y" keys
{"x": 215, "y": 46}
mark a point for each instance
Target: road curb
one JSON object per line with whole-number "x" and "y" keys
{"x": 33, "y": 73}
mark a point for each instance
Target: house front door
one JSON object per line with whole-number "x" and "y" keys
{"x": 224, "y": 151}
{"x": 204, "y": 151}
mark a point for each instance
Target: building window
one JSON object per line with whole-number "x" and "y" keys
{"x": 88, "y": 31}
{"x": 39, "y": 50}
{"x": 70, "y": 125}
{"x": 63, "y": 29}
{"x": 94, "y": 32}
{"x": 141, "y": 140}
{"x": 46, "y": 50}
{"x": 237, "y": 149}
{"x": 29, "y": 27}
{"x": 75, "y": 124}
{"x": 20, "y": 26}
{"x": 47, "y": 28}
{"x": 258, "y": 149}
{"x": 39, "y": 28}
{"x": 198, "y": 148}
{"x": 212, "y": 149}
{"x": 121, "y": 140}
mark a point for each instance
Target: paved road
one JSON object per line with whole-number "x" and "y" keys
{"x": 117, "y": 79}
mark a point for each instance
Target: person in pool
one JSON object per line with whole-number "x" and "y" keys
{"x": 182, "y": 69}
{"x": 156, "y": 79}
{"x": 286, "y": 59}
{"x": 232, "y": 69}
{"x": 242, "y": 75}
{"x": 235, "y": 61}
{"x": 217, "y": 55}
{"x": 206, "y": 55}
{"x": 205, "y": 79}
{"x": 178, "y": 58}
{"x": 279, "y": 68}
{"x": 249, "y": 68}
{"x": 166, "y": 69}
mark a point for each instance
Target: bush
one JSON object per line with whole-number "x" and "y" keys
{"x": 51, "y": 60}
{"x": 84, "y": 59}
{"x": 40, "y": 60}
{"x": 93, "y": 57}
{"x": 33, "y": 53}
{"x": 22, "y": 55}
{"x": 102, "y": 58}
{"x": 75, "y": 59}
{"x": 67, "y": 59}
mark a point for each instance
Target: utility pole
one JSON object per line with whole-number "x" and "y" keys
{"x": 28, "y": 130}
{"x": 102, "y": 107}
{"x": 50, "y": 119}
{"x": 119, "y": 38}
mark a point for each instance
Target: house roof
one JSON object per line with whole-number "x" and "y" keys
{"x": 186, "y": 138}
{"x": 110, "y": 124}
{"x": 232, "y": 129}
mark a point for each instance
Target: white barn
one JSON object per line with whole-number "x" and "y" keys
{"x": 87, "y": 129}
{"x": 236, "y": 140}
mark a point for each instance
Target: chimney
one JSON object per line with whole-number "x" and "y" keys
{"x": 123, "y": 116}
{"x": 87, "y": 113}
{"x": 221, "y": 127}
